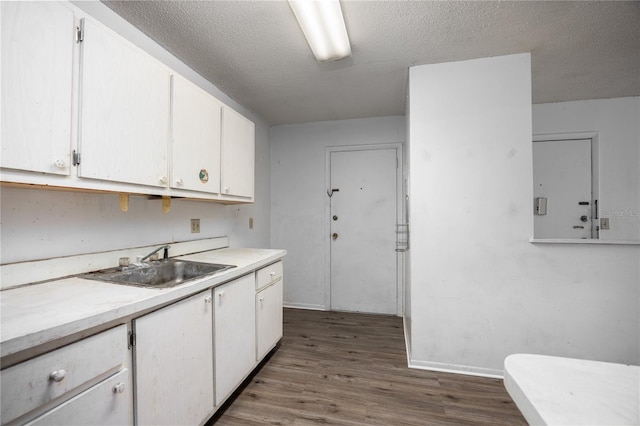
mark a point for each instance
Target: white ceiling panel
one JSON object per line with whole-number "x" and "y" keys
{"x": 255, "y": 52}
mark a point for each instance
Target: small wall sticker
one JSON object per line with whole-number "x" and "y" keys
{"x": 204, "y": 176}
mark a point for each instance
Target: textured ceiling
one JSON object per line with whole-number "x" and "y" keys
{"x": 255, "y": 52}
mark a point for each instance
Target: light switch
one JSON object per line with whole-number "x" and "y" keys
{"x": 604, "y": 223}
{"x": 540, "y": 205}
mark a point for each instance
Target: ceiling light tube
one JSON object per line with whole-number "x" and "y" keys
{"x": 323, "y": 26}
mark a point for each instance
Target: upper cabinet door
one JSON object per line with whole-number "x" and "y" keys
{"x": 196, "y": 138}
{"x": 125, "y": 111}
{"x": 37, "y": 74}
{"x": 238, "y": 136}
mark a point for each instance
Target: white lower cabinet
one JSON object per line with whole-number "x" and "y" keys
{"x": 268, "y": 318}
{"x": 234, "y": 334}
{"x": 86, "y": 382}
{"x": 269, "y": 287}
{"x": 187, "y": 357}
{"x": 174, "y": 363}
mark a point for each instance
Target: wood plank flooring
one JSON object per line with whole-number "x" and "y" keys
{"x": 351, "y": 369}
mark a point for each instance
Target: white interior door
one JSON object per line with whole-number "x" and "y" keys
{"x": 562, "y": 175}
{"x": 362, "y": 237}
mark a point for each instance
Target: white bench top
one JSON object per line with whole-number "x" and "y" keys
{"x": 563, "y": 391}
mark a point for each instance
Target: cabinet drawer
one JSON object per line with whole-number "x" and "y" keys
{"x": 35, "y": 382}
{"x": 109, "y": 403}
{"x": 268, "y": 275}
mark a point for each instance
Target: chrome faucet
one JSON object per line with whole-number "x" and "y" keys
{"x": 141, "y": 259}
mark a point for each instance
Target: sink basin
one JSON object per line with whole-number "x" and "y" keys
{"x": 157, "y": 274}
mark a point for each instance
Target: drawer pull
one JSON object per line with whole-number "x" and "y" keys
{"x": 272, "y": 273}
{"x": 119, "y": 388}
{"x": 207, "y": 299}
{"x": 262, "y": 299}
{"x": 57, "y": 376}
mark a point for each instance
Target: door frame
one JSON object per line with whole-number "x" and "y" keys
{"x": 595, "y": 172}
{"x": 400, "y": 215}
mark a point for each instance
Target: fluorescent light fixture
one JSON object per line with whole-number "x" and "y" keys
{"x": 323, "y": 26}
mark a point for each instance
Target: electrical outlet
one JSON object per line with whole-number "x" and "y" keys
{"x": 195, "y": 226}
{"x": 604, "y": 223}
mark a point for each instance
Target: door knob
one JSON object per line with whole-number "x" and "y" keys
{"x": 57, "y": 376}
{"x": 119, "y": 388}
{"x": 335, "y": 217}
{"x": 334, "y": 236}
{"x": 583, "y": 218}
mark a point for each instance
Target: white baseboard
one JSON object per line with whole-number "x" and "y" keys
{"x": 456, "y": 369}
{"x": 308, "y": 306}
{"x": 406, "y": 327}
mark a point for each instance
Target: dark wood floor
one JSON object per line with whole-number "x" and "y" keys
{"x": 351, "y": 369}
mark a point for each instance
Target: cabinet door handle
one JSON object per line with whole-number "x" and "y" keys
{"x": 272, "y": 273}
{"x": 221, "y": 295}
{"x": 163, "y": 179}
{"x": 262, "y": 299}
{"x": 119, "y": 388}
{"x": 207, "y": 299}
{"x": 57, "y": 376}
{"x": 179, "y": 182}
{"x": 60, "y": 163}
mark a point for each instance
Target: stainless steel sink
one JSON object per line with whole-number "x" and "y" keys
{"x": 157, "y": 274}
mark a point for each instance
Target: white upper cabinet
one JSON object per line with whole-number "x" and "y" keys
{"x": 37, "y": 77}
{"x": 196, "y": 117}
{"x": 135, "y": 125}
{"x": 238, "y": 140}
{"x": 124, "y": 111}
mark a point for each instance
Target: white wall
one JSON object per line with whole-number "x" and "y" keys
{"x": 479, "y": 289}
{"x": 617, "y": 123}
{"x": 298, "y": 195}
{"x": 38, "y": 224}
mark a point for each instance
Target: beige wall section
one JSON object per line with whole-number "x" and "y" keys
{"x": 298, "y": 195}
{"x": 615, "y": 121}
{"x": 479, "y": 289}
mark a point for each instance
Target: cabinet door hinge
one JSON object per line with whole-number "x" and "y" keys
{"x": 76, "y": 158}
{"x": 132, "y": 339}
{"x": 80, "y": 32}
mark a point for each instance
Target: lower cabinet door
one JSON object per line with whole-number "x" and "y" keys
{"x": 174, "y": 363}
{"x": 269, "y": 318}
{"x": 235, "y": 334}
{"x": 110, "y": 402}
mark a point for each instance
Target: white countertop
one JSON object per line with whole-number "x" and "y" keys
{"x": 563, "y": 391}
{"x": 36, "y": 314}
